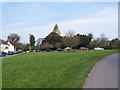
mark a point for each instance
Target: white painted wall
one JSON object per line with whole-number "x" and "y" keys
{"x": 4, "y": 47}
{"x": 11, "y": 47}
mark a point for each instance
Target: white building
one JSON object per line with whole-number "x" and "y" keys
{"x": 11, "y": 47}
{"x": 6, "y": 46}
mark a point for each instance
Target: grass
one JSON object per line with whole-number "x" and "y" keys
{"x": 50, "y": 69}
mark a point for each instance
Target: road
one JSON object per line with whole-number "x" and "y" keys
{"x": 104, "y": 74}
{"x": 8, "y": 56}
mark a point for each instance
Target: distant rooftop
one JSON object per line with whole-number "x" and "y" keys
{"x": 2, "y": 41}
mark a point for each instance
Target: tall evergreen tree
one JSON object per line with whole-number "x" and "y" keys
{"x": 32, "y": 41}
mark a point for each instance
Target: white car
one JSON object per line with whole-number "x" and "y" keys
{"x": 98, "y": 48}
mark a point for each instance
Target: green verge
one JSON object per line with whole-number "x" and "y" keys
{"x": 50, "y": 69}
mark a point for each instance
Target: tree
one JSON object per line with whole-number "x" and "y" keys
{"x": 19, "y": 46}
{"x": 70, "y": 33}
{"x": 93, "y": 44}
{"x": 23, "y": 47}
{"x": 59, "y": 45}
{"x": 32, "y": 42}
{"x": 46, "y": 45}
{"x": 114, "y": 44}
{"x": 85, "y": 40}
{"x": 52, "y": 40}
{"x": 75, "y": 41}
{"x": 70, "y": 40}
{"x": 13, "y": 38}
{"x": 101, "y": 41}
{"x": 90, "y": 37}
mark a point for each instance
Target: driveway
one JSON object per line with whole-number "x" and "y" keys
{"x": 104, "y": 74}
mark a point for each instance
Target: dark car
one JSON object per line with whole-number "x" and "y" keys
{"x": 10, "y": 53}
{"x": 15, "y": 52}
{"x": 2, "y": 53}
{"x": 49, "y": 50}
{"x": 59, "y": 49}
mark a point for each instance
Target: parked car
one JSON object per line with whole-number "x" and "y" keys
{"x": 59, "y": 49}
{"x": 2, "y": 53}
{"x": 34, "y": 50}
{"x": 15, "y": 52}
{"x": 49, "y": 50}
{"x": 19, "y": 51}
{"x": 83, "y": 48}
{"x": 67, "y": 48}
{"x": 10, "y": 53}
{"x": 98, "y": 48}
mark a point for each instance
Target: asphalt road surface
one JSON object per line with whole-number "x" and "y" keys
{"x": 8, "y": 56}
{"x": 104, "y": 74}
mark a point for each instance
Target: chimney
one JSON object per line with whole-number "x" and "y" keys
{"x": 10, "y": 40}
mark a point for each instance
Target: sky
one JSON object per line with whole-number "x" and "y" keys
{"x": 59, "y": 0}
{"x": 39, "y": 18}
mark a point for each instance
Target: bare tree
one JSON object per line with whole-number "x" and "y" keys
{"x": 46, "y": 45}
{"x": 13, "y": 38}
{"x": 70, "y": 40}
{"x": 70, "y": 33}
{"x": 102, "y": 41}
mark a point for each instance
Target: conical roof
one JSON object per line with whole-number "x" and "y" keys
{"x": 56, "y": 29}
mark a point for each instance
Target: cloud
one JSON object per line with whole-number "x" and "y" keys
{"x": 24, "y": 31}
{"x": 95, "y": 26}
{"x": 107, "y": 13}
{"x": 104, "y": 21}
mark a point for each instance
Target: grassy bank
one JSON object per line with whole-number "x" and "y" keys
{"x": 50, "y": 69}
